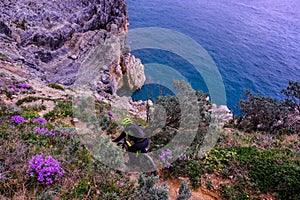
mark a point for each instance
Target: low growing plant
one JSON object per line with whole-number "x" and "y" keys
{"x": 45, "y": 170}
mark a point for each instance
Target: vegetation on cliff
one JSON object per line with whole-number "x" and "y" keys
{"x": 42, "y": 155}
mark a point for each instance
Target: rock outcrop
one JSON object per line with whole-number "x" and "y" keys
{"x": 133, "y": 70}
{"x": 221, "y": 114}
{"x": 125, "y": 76}
{"x": 51, "y": 39}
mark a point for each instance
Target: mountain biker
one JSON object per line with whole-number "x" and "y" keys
{"x": 135, "y": 142}
{"x": 135, "y": 136}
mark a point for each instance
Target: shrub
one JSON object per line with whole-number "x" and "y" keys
{"x": 3, "y": 56}
{"x": 81, "y": 188}
{"x": 27, "y": 99}
{"x": 184, "y": 191}
{"x": 36, "y": 108}
{"x": 195, "y": 170}
{"x": 29, "y": 114}
{"x": 148, "y": 189}
{"x": 209, "y": 185}
{"x": 292, "y": 93}
{"x": 271, "y": 170}
{"x": 218, "y": 159}
{"x": 261, "y": 113}
{"x": 62, "y": 109}
{"x": 56, "y": 86}
{"x": 269, "y": 115}
{"x": 231, "y": 193}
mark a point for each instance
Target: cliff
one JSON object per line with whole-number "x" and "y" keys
{"x": 50, "y": 40}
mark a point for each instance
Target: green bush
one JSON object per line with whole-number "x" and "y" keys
{"x": 21, "y": 25}
{"x": 56, "y": 86}
{"x": 149, "y": 191}
{"x": 231, "y": 193}
{"x": 3, "y": 56}
{"x": 184, "y": 192}
{"x": 61, "y": 110}
{"x": 218, "y": 159}
{"x": 261, "y": 113}
{"x": 292, "y": 93}
{"x": 269, "y": 115}
{"x": 36, "y": 108}
{"x": 30, "y": 99}
{"x": 81, "y": 188}
{"x": 194, "y": 172}
{"x": 7, "y": 111}
{"x": 272, "y": 170}
{"x": 30, "y": 114}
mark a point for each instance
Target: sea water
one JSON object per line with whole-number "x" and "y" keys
{"x": 255, "y": 44}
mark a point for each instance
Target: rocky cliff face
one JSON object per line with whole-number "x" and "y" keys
{"x": 51, "y": 39}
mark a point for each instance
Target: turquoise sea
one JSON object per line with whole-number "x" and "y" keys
{"x": 255, "y": 44}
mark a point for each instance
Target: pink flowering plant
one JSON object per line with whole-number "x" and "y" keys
{"x": 24, "y": 86}
{"x": 39, "y": 120}
{"x": 165, "y": 156}
{"x": 15, "y": 88}
{"x": 17, "y": 119}
{"x": 45, "y": 170}
{"x": 43, "y": 131}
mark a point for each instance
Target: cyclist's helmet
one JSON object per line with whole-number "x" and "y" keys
{"x": 127, "y": 121}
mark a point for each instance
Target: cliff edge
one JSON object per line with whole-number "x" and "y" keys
{"x": 51, "y": 39}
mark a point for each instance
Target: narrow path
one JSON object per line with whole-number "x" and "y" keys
{"x": 198, "y": 194}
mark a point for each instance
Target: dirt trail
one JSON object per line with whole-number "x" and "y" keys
{"x": 199, "y": 194}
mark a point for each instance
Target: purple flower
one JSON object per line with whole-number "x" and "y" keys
{"x": 24, "y": 85}
{"x": 45, "y": 170}
{"x": 165, "y": 156}
{"x": 40, "y": 120}
{"x": 43, "y": 131}
{"x": 13, "y": 88}
{"x": 162, "y": 158}
{"x": 51, "y": 132}
{"x": 110, "y": 113}
{"x": 18, "y": 119}
{"x": 169, "y": 165}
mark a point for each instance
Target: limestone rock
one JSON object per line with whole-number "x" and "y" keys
{"x": 133, "y": 72}
{"x": 43, "y": 35}
{"x": 222, "y": 114}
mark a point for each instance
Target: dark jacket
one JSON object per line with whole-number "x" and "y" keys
{"x": 136, "y": 134}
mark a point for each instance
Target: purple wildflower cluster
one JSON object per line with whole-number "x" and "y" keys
{"x": 19, "y": 88}
{"x": 13, "y": 89}
{"x": 165, "y": 155}
{"x": 43, "y": 131}
{"x": 40, "y": 120}
{"x": 46, "y": 170}
{"x": 18, "y": 119}
{"x": 24, "y": 86}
